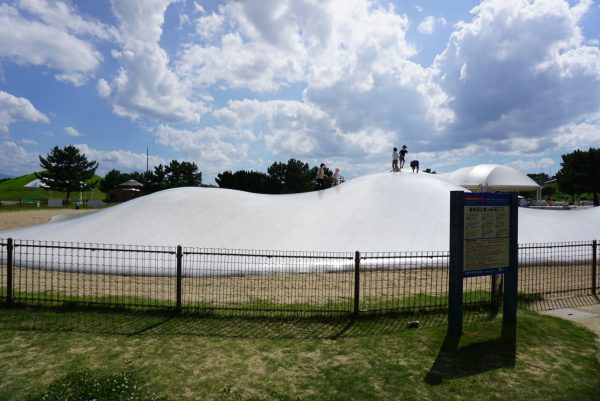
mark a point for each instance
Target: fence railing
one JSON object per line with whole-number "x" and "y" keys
{"x": 264, "y": 282}
{"x": 557, "y": 271}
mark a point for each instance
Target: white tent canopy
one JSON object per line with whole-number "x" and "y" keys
{"x": 37, "y": 183}
{"x": 491, "y": 177}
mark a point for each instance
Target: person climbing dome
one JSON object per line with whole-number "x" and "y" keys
{"x": 415, "y": 165}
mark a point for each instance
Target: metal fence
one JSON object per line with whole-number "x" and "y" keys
{"x": 273, "y": 282}
{"x": 555, "y": 272}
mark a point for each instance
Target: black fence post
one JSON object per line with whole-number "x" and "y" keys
{"x": 594, "y": 267}
{"x": 356, "y": 283}
{"x": 179, "y": 263}
{"x": 9, "y": 271}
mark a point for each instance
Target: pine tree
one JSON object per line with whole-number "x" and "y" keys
{"x": 66, "y": 170}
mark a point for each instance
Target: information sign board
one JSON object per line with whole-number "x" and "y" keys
{"x": 486, "y": 233}
{"x": 483, "y": 241}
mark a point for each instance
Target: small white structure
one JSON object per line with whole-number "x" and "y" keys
{"x": 492, "y": 178}
{"x": 37, "y": 183}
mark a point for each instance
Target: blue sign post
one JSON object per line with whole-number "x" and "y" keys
{"x": 483, "y": 241}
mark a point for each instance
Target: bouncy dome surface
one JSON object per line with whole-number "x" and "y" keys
{"x": 378, "y": 212}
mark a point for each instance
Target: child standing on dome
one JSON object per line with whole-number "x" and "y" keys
{"x": 403, "y": 153}
{"x": 335, "y": 178}
{"x": 395, "y": 168}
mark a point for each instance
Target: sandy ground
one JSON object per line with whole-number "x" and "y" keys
{"x": 23, "y": 218}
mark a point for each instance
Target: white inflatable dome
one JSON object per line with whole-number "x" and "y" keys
{"x": 491, "y": 177}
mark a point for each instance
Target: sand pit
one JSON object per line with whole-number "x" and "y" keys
{"x": 24, "y": 218}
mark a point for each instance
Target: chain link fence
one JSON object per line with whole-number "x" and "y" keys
{"x": 229, "y": 281}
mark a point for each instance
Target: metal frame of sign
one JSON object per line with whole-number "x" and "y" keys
{"x": 487, "y": 260}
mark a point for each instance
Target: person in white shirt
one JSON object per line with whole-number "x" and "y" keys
{"x": 395, "y": 160}
{"x": 336, "y": 177}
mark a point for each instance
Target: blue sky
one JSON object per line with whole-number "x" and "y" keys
{"x": 242, "y": 84}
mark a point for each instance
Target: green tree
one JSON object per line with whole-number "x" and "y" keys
{"x": 184, "y": 174}
{"x": 242, "y": 180}
{"x": 539, "y": 178}
{"x": 112, "y": 179}
{"x": 175, "y": 174}
{"x": 580, "y": 172}
{"x": 292, "y": 177}
{"x": 156, "y": 179}
{"x": 549, "y": 190}
{"x": 66, "y": 170}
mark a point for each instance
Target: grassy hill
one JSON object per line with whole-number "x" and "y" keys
{"x": 13, "y": 190}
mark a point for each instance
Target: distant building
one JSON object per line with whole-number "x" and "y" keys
{"x": 126, "y": 191}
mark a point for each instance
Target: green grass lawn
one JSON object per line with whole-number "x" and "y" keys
{"x": 12, "y": 190}
{"x": 219, "y": 358}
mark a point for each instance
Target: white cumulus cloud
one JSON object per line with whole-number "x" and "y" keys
{"x": 14, "y": 160}
{"x": 52, "y": 34}
{"x": 145, "y": 85}
{"x": 72, "y": 132}
{"x": 518, "y": 71}
{"x": 214, "y": 150}
{"x": 427, "y": 26}
{"x": 122, "y": 160}
{"x": 13, "y": 109}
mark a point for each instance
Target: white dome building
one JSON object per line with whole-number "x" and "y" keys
{"x": 492, "y": 178}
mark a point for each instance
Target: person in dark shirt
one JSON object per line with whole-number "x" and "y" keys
{"x": 415, "y": 165}
{"x": 403, "y": 153}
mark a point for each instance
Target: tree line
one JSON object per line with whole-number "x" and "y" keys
{"x": 66, "y": 169}
{"x": 580, "y": 173}
{"x": 173, "y": 175}
{"x": 292, "y": 177}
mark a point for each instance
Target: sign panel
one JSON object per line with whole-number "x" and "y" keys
{"x": 486, "y": 233}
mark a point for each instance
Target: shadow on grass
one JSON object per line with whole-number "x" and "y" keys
{"x": 148, "y": 323}
{"x": 455, "y": 361}
{"x": 540, "y": 303}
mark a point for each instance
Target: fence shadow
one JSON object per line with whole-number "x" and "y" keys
{"x": 147, "y": 323}
{"x": 559, "y": 303}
